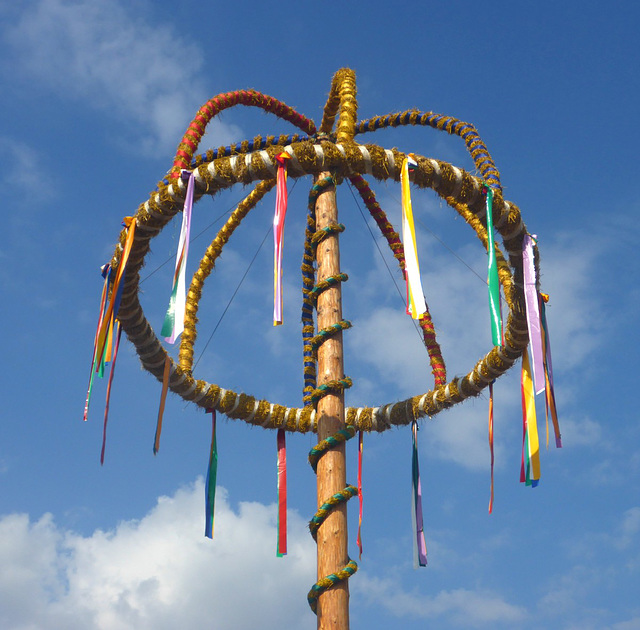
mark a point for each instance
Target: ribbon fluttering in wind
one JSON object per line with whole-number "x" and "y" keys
{"x": 416, "y": 304}
{"x": 530, "y": 464}
{"x": 533, "y": 312}
{"x": 110, "y": 382}
{"x": 278, "y": 235}
{"x": 174, "y": 319}
{"x": 420, "y": 546}
{"x": 550, "y": 396}
{"x": 492, "y": 280}
{"x": 163, "y": 398}
{"x": 109, "y": 305}
{"x": 282, "y": 493}
{"x": 212, "y": 473}
{"x": 116, "y": 288}
{"x": 94, "y": 359}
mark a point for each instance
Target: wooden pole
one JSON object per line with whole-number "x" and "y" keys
{"x": 333, "y": 604}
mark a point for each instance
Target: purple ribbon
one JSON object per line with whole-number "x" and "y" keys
{"x": 533, "y": 312}
{"x": 420, "y": 546}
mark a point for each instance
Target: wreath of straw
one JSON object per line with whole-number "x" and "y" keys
{"x": 339, "y": 154}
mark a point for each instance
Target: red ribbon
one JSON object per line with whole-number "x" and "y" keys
{"x": 282, "y": 493}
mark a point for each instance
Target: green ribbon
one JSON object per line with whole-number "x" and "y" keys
{"x": 494, "y": 284}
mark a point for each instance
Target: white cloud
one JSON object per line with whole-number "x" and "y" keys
{"x": 114, "y": 57}
{"x": 158, "y": 572}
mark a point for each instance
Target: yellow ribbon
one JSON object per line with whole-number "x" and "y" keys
{"x": 416, "y": 304}
{"x": 529, "y": 410}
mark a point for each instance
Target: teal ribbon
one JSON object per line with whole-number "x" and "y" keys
{"x": 494, "y": 284}
{"x": 212, "y": 473}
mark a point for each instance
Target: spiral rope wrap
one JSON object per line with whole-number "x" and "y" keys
{"x": 335, "y": 386}
{"x": 329, "y": 581}
{"x": 309, "y": 292}
{"x": 341, "y": 100}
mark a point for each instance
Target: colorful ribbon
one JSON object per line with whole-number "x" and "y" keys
{"x": 360, "y": 451}
{"x": 550, "y": 396}
{"x": 174, "y": 319}
{"x": 212, "y": 473}
{"x": 278, "y": 235}
{"x": 282, "y": 494}
{"x": 491, "y": 443}
{"x": 116, "y": 289}
{"x": 416, "y": 304}
{"x": 533, "y": 312}
{"x": 530, "y": 464}
{"x": 420, "y": 546}
{"x": 106, "y": 406}
{"x": 103, "y": 301}
{"x": 492, "y": 272}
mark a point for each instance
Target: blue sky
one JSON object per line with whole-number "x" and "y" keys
{"x": 96, "y": 96}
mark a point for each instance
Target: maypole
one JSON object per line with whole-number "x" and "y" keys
{"x": 331, "y": 537}
{"x": 330, "y": 155}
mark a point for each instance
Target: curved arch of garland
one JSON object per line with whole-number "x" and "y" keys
{"x": 338, "y": 153}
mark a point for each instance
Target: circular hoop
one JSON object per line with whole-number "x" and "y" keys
{"x": 344, "y": 158}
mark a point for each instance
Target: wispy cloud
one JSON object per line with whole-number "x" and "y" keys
{"x": 596, "y": 560}
{"x": 18, "y": 159}
{"x": 454, "y": 608}
{"x": 114, "y": 58}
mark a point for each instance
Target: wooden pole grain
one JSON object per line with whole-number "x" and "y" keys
{"x": 333, "y": 604}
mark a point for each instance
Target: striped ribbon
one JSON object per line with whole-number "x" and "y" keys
{"x": 107, "y": 354}
{"x": 530, "y": 465}
{"x": 420, "y": 546}
{"x": 103, "y": 302}
{"x": 416, "y": 304}
{"x": 212, "y": 473}
{"x": 492, "y": 280}
{"x": 282, "y": 494}
{"x": 550, "y": 396}
{"x": 533, "y": 312}
{"x": 116, "y": 288}
{"x": 106, "y": 406}
{"x": 174, "y": 319}
{"x": 278, "y": 235}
